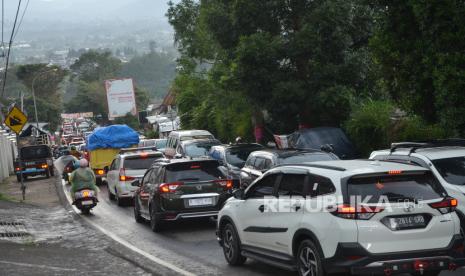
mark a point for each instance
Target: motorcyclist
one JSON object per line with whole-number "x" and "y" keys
{"x": 75, "y": 153}
{"x": 82, "y": 178}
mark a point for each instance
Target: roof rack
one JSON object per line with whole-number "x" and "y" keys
{"x": 319, "y": 166}
{"x": 125, "y": 150}
{"x": 413, "y": 146}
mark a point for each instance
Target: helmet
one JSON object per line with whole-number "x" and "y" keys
{"x": 83, "y": 163}
{"x": 238, "y": 140}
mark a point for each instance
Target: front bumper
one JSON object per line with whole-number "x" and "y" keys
{"x": 353, "y": 258}
{"x": 32, "y": 171}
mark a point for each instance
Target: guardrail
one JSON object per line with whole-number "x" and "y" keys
{"x": 8, "y": 151}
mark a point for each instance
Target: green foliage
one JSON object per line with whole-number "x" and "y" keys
{"x": 371, "y": 126}
{"x": 90, "y": 97}
{"x": 419, "y": 46}
{"x": 153, "y": 72}
{"x": 130, "y": 120}
{"x": 96, "y": 66}
{"x": 47, "y": 111}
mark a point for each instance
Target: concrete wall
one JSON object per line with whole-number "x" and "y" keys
{"x": 7, "y": 153}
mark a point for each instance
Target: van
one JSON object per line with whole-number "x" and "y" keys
{"x": 175, "y": 137}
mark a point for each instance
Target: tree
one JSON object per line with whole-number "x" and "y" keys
{"x": 91, "y": 97}
{"x": 130, "y": 120}
{"x": 46, "y": 79}
{"x": 96, "y": 66}
{"x": 419, "y": 46}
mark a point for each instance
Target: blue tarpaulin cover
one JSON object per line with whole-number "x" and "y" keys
{"x": 112, "y": 137}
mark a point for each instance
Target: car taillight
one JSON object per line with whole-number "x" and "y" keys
{"x": 226, "y": 184}
{"x": 347, "y": 211}
{"x": 169, "y": 187}
{"x": 123, "y": 176}
{"x": 447, "y": 205}
{"x": 44, "y": 166}
{"x": 17, "y": 169}
{"x": 100, "y": 172}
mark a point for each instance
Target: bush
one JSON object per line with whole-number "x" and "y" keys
{"x": 372, "y": 127}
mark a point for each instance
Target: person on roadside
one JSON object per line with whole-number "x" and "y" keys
{"x": 75, "y": 153}
{"x": 82, "y": 178}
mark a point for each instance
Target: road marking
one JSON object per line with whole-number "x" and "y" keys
{"x": 125, "y": 243}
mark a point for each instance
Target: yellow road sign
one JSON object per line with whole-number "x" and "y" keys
{"x": 16, "y": 120}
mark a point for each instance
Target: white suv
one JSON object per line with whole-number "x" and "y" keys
{"x": 128, "y": 166}
{"x": 445, "y": 158}
{"x": 359, "y": 217}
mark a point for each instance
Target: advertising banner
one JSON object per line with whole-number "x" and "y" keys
{"x": 121, "y": 98}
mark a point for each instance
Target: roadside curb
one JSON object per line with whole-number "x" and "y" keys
{"x": 150, "y": 264}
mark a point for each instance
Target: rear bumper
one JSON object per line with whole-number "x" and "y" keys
{"x": 179, "y": 216}
{"x": 32, "y": 171}
{"x": 353, "y": 258}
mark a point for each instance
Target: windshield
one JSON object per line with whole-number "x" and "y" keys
{"x": 199, "y": 149}
{"x": 237, "y": 157}
{"x": 397, "y": 188}
{"x": 452, "y": 169}
{"x": 161, "y": 144}
{"x": 139, "y": 163}
{"x": 306, "y": 157}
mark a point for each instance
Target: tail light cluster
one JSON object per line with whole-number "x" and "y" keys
{"x": 173, "y": 186}
{"x": 226, "y": 184}
{"x": 123, "y": 176}
{"x": 347, "y": 211}
{"x": 448, "y": 205}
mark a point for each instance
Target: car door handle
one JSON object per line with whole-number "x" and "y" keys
{"x": 261, "y": 208}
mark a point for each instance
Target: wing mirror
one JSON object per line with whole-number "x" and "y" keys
{"x": 327, "y": 148}
{"x": 178, "y": 156}
{"x": 106, "y": 169}
{"x": 239, "y": 194}
{"x": 136, "y": 183}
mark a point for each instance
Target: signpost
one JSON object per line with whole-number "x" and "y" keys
{"x": 16, "y": 120}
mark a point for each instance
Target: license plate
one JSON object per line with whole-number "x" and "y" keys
{"x": 201, "y": 201}
{"x": 87, "y": 202}
{"x": 408, "y": 222}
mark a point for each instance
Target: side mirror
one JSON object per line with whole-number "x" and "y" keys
{"x": 239, "y": 194}
{"x": 327, "y": 148}
{"x": 178, "y": 156}
{"x": 136, "y": 183}
{"x": 106, "y": 169}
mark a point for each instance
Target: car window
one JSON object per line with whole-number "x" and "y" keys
{"x": 193, "y": 171}
{"x": 139, "y": 162}
{"x": 117, "y": 162}
{"x": 153, "y": 176}
{"x": 160, "y": 144}
{"x": 291, "y": 185}
{"x": 112, "y": 166}
{"x": 263, "y": 187}
{"x": 306, "y": 157}
{"x": 319, "y": 185}
{"x": 238, "y": 156}
{"x": 259, "y": 163}
{"x": 452, "y": 169}
{"x": 395, "y": 188}
{"x": 268, "y": 164}
{"x": 250, "y": 162}
{"x": 147, "y": 177}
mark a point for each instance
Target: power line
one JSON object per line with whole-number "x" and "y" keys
{"x": 21, "y": 20}
{"x": 9, "y": 48}
{"x": 3, "y": 23}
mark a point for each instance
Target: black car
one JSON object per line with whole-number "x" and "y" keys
{"x": 180, "y": 189}
{"x": 35, "y": 160}
{"x": 232, "y": 158}
{"x": 260, "y": 161}
{"x": 196, "y": 148}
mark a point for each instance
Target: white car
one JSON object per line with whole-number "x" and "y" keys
{"x": 445, "y": 158}
{"x": 304, "y": 217}
{"x": 126, "y": 168}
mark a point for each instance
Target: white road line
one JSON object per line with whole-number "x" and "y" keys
{"x": 125, "y": 243}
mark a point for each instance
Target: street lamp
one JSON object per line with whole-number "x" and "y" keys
{"x": 34, "y": 95}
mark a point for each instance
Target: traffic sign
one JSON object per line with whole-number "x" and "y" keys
{"x": 16, "y": 120}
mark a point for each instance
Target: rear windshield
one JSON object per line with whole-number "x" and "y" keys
{"x": 199, "y": 149}
{"x": 161, "y": 144}
{"x": 139, "y": 163}
{"x": 237, "y": 157}
{"x": 35, "y": 152}
{"x": 396, "y": 188}
{"x": 202, "y": 171}
{"x": 306, "y": 157}
{"x": 193, "y": 137}
{"x": 452, "y": 169}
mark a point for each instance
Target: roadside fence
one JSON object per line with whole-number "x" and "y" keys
{"x": 8, "y": 152}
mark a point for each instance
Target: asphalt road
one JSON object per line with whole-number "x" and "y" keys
{"x": 189, "y": 245}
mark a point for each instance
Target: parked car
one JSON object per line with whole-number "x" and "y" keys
{"x": 175, "y": 138}
{"x": 180, "y": 189}
{"x": 404, "y": 223}
{"x": 124, "y": 169}
{"x": 445, "y": 158}
{"x": 196, "y": 148}
{"x": 159, "y": 144}
{"x": 35, "y": 160}
{"x": 260, "y": 161}
{"x": 232, "y": 158}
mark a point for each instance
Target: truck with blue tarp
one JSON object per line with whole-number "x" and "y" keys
{"x": 105, "y": 143}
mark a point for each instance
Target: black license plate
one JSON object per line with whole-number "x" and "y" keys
{"x": 407, "y": 222}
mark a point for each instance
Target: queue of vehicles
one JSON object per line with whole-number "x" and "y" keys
{"x": 417, "y": 229}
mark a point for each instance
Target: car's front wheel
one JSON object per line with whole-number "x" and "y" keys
{"x": 232, "y": 246}
{"x": 309, "y": 259}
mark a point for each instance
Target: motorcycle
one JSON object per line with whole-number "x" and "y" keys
{"x": 85, "y": 200}
{"x": 69, "y": 168}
